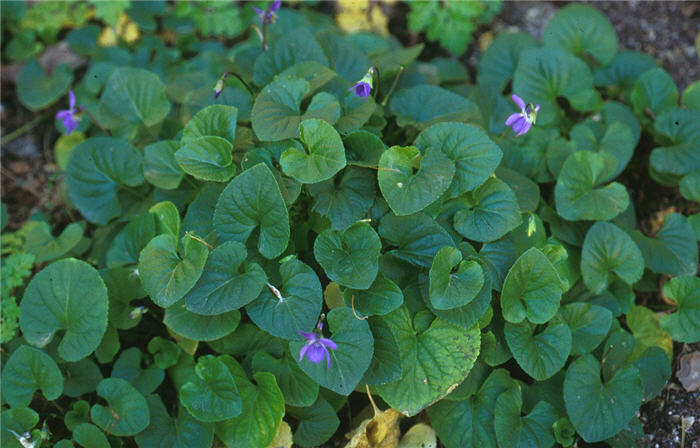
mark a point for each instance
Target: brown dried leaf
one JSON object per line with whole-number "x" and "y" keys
{"x": 689, "y": 373}
{"x": 381, "y": 431}
{"x": 419, "y": 436}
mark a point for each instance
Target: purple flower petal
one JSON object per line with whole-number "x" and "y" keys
{"x": 513, "y": 118}
{"x": 71, "y": 99}
{"x": 519, "y": 101}
{"x": 258, "y": 10}
{"x": 315, "y": 353}
{"x": 309, "y": 336}
{"x": 526, "y": 127}
{"x": 328, "y": 343}
{"x": 63, "y": 114}
{"x": 518, "y": 125}
{"x": 303, "y": 351}
{"x": 328, "y": 357}
{"x": 275, "y": 6}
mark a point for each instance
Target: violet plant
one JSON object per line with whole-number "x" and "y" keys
{"x": 479, "y": 270}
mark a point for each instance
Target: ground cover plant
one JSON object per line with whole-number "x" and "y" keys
{"x": 284, "y": 234}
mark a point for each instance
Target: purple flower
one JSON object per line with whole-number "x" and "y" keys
{"x": 69, "y": 117}
{"x": 268, "y": 15}
{"x": 364, "y": 86}
{"x": 522, "y": 121}
{"x": 316, "y": 347}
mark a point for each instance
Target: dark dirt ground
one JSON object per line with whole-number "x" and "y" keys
{"x": 666, "y": 30}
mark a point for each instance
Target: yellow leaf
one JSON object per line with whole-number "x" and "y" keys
{"x": 127, "y": 29}
{"x": 108, "y": 38}
{"x": 379, "y": 20}
{"x": 64, "y": 147}
{"x": 333, "y": 296}
{"x": 380, "y": 431}
{"x": 419, "y": 436}
{"x": 283, "y": 439}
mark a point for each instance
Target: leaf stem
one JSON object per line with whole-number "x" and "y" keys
{"x": 245, "y": 84}
{"x": 21, "y": 130}
{"x": 198, "y": 239}
{"x": 393, "y": 86}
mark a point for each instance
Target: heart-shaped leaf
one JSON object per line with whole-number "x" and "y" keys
{"x": 253, "y": 199}
{"x": 200, "y": 328}
{"x": 654, "y": 90}
{"x": 492, "y": 212}
{"x": 211, "y": 394}
{"x": 296, "y": 46}
{"x": 608, "y": 250}
{"x": 40, "y": 241}
{"x": 131, "y": 240}
{"x": 317, "y": 423}
{"x": 673, "y": 250}
{"x": 298, "y": 306}
{"x": 684, "y": 324}
{"x": 82, "y": 377}
{"x": 540, "y": 352}
{"x": 363, "y": 148}
{"x": 98, "y": 170}
{"x": 382, "y": 297}
{"x": 298, "y": 389}
{"x": 690, "y": 186}
{"x": 216, "y": 120}
{"x": 160, "y": 168}
{"x": 516, "y": 431}
{"x": 410, "y": 181}
{"x": 580, "y": 194}
{"x": 89, "y": 435}
{"x": 497, "y": 63}
{"x": 624, "y": 70}
{"x": 128, "y": 367}
{"x": 133, "y": 96}
{"x": 346, "y": 200}
{"x": 350, "y": 258}
{"x": 165, "y": 352}
{"x": 417, "y": 237}
{"x": 386, "y": 361}
{"x": 36, "y": 89}
{"x": 15, "y": 422}
{"x": 599, "y": 411}
{"x": 531, "y": 289}
{"x": 27, "y": 370}
{"x": 434, "y": 361}
{"x": 167, "y": 276}
{"x": 349, "y": 361}
{"x": 207, "y": 158}
{"x": 325, "y": 157}
{"x": 127, "y": 412}
{"x": 166, "y": 432}
{"x": 681, "y": 156}
{"x": 277, "y": 110}
{"x": 67, "y": 295}
{"x": 227, "y": 283}
{"x": 589, "y": 324}
{"x": 425, "y": 104}
{"x": 454, "y": 282}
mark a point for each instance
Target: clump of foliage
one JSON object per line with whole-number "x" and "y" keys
{"x": 273, "y": 225}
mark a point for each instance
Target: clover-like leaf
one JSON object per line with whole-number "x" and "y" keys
{"x": 425, "y": 104}
{"x": 673, "y": 250}
{"x": 589, "y": 324}
{"x": 580, "y": 194}
{"x": 684, "y": 324}
{"x": 475, "y": 155}
{"x": 207, "y": 158}
{"x": 517, "y": 431}
{"x": 167, "y": 276}
{"x": 227, "y": 282}
{"x": 531, "y": 289}
{"x": 609, "y": 250}
{"x": 297, "y": 308}
{"x": 251, "y": 200}
{"x": 410, "y": 181}
{"x": 127, "y": 412}
{"x": 600, "y": 410}
{"x": 434, "y": 360}
{"x": 27, "y": 370}
{"x": 540, "y": 352}
{"x": 349, "y": 361}
{"x": 167, "y": 432}
{"x": 66, "y": 295}
{"x": 211, "y": 394}
{"x": 454, "y": 282}
{"x": 350, "y": 258}
{"x": 325, "y": 157}
{"x": 98, "y": 169}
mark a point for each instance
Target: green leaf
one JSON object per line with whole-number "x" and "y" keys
{"x": 133, "y": 96}
{"x": 599, "y": 411}
{"x": 160, "y": 167}
{"x": 99, "y": 169}
{"x": 424, "y": 105}
{"x": 654, "y": 90}
{"x": 227, "y": 283}
{"x": 350, "y": 258}
{"x": 27, "y": 370}
{"x": 684, "y": 324}
{"x": 277, "y": 113}
{"x": 79, "y": 413}
{"x": 417, "y": 238}
{"x": 540, "y": 352}
{"x": 514, "y": 430}
{"x": 82, "y": 377}
{"x": 673, "y": 250}
{"x": 690, "y": 186}
{"x": 211, "y": 395}
{"x": 386, "y": 361}
{"x": 36, "y": 89}
{"x": 207, "y": 158}
{"x": 473, "y": 416}
{"x": 165, "y": 353}
{"x": 544, "y": 73}
{"x": 317, "y": 423}
{"x": 299, "y": 307}
{"x": 200, "y": 328}
{"x": 325, "y": 157}
{"x": 410, "y": 181}
{"x": 435, "y": 361}
{"x": 131, "y": 240}
{"x": 166, "y": 276}
{"x": 66, "y": 295}
{"x": 624, "y": 70}
{"x": 492, "y": 212}
{"x": 526, "y": 190}
{"x": 128, "y": 368}
{"x": 349, "y": 362}
{"x": 454, "y": 282}
{"x": 217, "y": 120}
{"x": 345, "y": 199}
{"x": 655, "y": 368}
{"x": 167, "y": 218}
{"x": 682, "y": 127}
{"x": 198, "y": 219}
{"x": 498, "y": 62}
{"x": 608, "y": 250}
{"x": 253, "y": 199}
{"x": 297, "y": 46}
{"x": 382, "y": 297}
{"x": 17, "y": 422}
{"x": 531, "y": 289}
{"x": 261, "y": 415}
{"x": 123, "y": 285}
{"x": 127, "y": 413}
{"x": 580, "y": 194}
{"x": 89, "y": 435}
{"x": 324, "y": 106}
{"x": 475, "y": 155}
{"x": 363, "y": 148}
{"x": 165, "y": 432}
{"x": 298, "y": 389}
{"x": 589, "y": 324}
{"x": 315, "y": 73}
{"x": 39, "y": 240}
{"x": 582, "y": 29}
